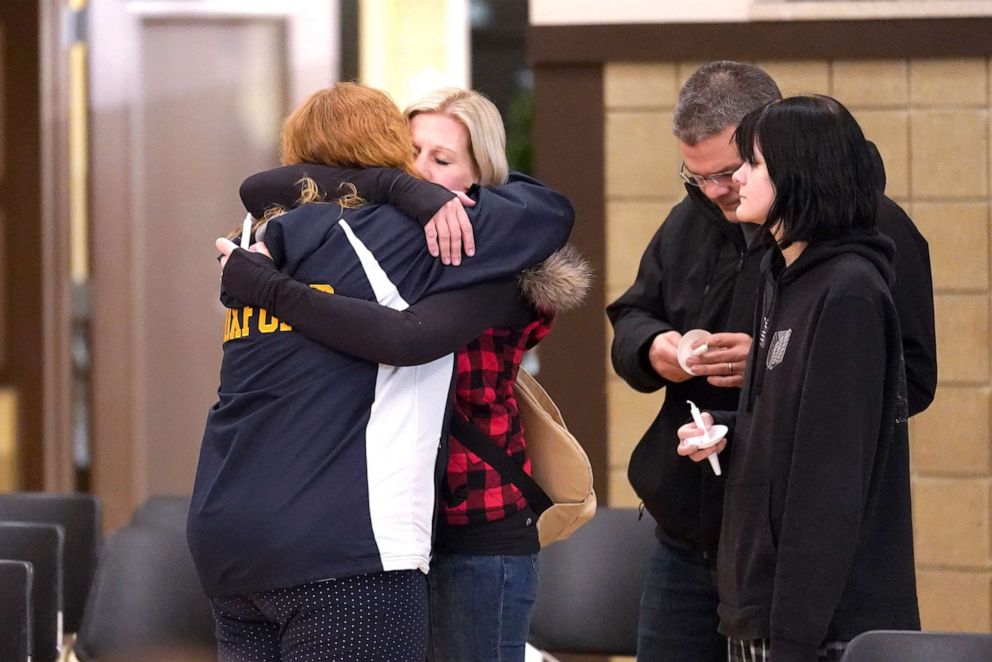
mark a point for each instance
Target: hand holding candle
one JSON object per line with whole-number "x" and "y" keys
{"x": 710, "y": 437}
{"x": 246, "y": 231}
{"x": 225, "y": 246}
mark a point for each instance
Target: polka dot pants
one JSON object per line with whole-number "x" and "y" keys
{"x": 380, "y": 617}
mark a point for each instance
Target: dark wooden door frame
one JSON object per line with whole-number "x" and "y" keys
{"x": 569, "y": 157}
{"x": 21, "y": 246}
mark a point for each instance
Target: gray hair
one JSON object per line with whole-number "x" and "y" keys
{"x": 718, "y": 95}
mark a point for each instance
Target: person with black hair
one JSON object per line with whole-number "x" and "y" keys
{"x": 816, "y": 541}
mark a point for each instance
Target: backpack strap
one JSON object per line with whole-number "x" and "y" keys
{"x": 490, "y": 452}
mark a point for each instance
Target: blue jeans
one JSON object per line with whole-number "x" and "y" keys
{"x": 481, "y": 606}
{"x": 678, "y": 619}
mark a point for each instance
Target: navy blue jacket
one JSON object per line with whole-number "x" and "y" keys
{"x": 315, "y": 464}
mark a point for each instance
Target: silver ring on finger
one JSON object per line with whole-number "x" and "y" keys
{"x": 730, "y": 368}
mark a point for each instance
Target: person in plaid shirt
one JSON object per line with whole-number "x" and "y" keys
{"x": 483, "y": 577}
{"x": 475, "y": 493}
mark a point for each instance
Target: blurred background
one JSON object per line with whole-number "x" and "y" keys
{"x": 126, "y": 127}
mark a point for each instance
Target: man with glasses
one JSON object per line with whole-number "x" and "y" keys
{"x": 702, "y": 270}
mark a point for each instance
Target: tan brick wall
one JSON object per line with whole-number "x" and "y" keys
{"x": 931, "y": 121}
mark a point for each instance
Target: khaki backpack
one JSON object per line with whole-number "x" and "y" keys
{"x": 560, "y": 489}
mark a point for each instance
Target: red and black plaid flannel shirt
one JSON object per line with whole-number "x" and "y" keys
{"x": 474, "y": 492}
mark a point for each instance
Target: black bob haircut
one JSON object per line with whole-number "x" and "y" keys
{"x": 823, "y": 170}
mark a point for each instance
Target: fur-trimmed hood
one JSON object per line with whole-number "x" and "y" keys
{"x": 558, "y": 284}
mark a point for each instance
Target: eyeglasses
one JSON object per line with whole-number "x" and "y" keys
{"x": 718, "y": 178}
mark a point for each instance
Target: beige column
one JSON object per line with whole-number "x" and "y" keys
{"x": 409, "y": 48}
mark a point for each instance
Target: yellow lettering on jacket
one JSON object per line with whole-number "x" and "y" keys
{"x": 247, "y": 313}
{"x": 235, "y": 331}
{"x": 237, "y": 323}
{"x": 267, "y": 323}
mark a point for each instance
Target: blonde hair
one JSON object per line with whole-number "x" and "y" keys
{"x": 348, "y": 125}
{"x": 479, "y": 115}
{"x": 310, "y": 193}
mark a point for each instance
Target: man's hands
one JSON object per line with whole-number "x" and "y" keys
{"x": 449, "y": 230}
{"x": 663, "y": 356}
{"x": 722, "y": 365}
{"x": 225, "y": 246}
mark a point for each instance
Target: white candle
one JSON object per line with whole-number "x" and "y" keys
{"x": 702, "y": 349}
{"x": 697, "y": 418}
{"x": 246, "y": 231}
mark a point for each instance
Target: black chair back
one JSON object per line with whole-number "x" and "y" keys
{"x": 41, "y": 545}
{"x": 15, "y": 617}
{"x": 79, "y": 517}
{"x": 589, "y": 590}
{"x": 163, "y": 511}
{"x": 901, "y": 646}
{"x": 146, "y": 597}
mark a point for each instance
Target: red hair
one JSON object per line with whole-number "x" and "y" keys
{"x": 348, "y": 125}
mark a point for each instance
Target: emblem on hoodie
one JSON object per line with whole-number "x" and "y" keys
{"x": 780, "y": 342}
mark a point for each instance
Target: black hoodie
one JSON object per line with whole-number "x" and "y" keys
{"x": 817, "y": 538}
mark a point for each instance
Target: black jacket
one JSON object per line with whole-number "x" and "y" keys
{"x": 817, "y": 536}
{"x": 697, "y": 273}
